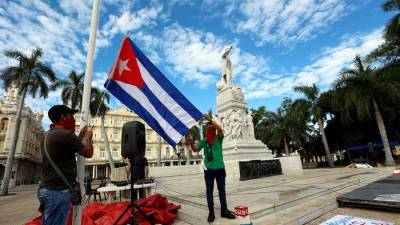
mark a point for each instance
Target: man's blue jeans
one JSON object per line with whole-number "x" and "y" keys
{"x": 55, "y": 205}
{"x": 219, "y": 176}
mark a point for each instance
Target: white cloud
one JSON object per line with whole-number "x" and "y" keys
{"x": 330, "y": 62}
{"x": 323, "y": 71}
{"x": 39, "y": 104}
{"x": 282, "y": 22}
{"x": 62, "y": 34}
{"x": 195, "y": 57}
{"x": 99, "y": 79}
{"x": 83, "y": 9}
{"x": 26, "y": 25}
{"x": 192, "y": 55}
{"x": 36, "y": 25}
{"x": 128, "y": 22}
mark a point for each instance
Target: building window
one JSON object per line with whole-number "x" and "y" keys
{"x": 148, "y": 153}
{"x": 115, "y": 153}
{"x": 148, "y": 136}
{"x": 102, "y": 154}
{"x": 167, "y": 152}
{"x": 182, "y": 151}
{"x": 4, "y": 124}
{"x": 115, "y": 134}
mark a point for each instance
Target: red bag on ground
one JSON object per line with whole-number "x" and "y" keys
{"x": 35, "y": 221}
{"x": 156, "y": 206}
{"x": 164, "y": 217}
{"x": 172, "y": 208}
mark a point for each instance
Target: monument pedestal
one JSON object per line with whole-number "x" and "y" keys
{"x": 249, "y": 150}
{"x": 244, "y": 156}
{"x": 239, "y": 151}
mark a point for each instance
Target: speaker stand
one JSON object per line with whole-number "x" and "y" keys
{"x": 132, "y": 206}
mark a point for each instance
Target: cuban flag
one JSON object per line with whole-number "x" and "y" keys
{"x": 139, "y": 85}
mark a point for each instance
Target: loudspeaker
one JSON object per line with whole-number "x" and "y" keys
{"x": 133, "y": 140}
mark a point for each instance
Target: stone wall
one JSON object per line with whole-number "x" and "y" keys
{"x": 175, "y": 170}
{"x": 291, "y": 164}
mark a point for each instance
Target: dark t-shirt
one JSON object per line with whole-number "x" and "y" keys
{"x": 62, "y": 144}
{"x": 138, "y": 170}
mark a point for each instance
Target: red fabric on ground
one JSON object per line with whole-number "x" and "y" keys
{"x": 164, "y": 217}
{"x": 156, "y": 206}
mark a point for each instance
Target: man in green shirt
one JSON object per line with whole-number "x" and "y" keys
{"x": 214, "y": 167}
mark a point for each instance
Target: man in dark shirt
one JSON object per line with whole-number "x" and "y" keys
{"x": 140, "y": 172}
{"x": 62, "y": 144}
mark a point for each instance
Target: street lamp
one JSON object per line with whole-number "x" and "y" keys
{"x": 178, "y": 153}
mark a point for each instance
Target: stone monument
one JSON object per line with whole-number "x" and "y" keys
{"x": 239, "y": 143}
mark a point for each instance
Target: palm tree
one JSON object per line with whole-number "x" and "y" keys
{"x": 72, "y": 89}
{"x": 360, "y": 88}
{"x": 390, "y": 49}
{"x": 98, "y": 107}
{"x": 288, "y": 125}
{"x": 29, "y": 76}
{"x": 392, "y": 29}
{"x": 259, "y": 116}
{"x": 312, "y": 98}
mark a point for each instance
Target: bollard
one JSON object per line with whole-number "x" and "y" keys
{"x": 242, "y": 215}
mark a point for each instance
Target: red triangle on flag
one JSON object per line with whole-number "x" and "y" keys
{"x": 126, "y": 68}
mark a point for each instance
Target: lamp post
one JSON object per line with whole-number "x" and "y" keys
{"x": 178, "y": 153}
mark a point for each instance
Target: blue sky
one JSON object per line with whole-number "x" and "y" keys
{"x": 278, "y": 44}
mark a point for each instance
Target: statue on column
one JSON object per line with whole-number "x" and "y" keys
{"x": 227, "y": 72}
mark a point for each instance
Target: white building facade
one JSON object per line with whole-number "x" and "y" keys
{"x": 28, "y": 158}
{"x": 98, "y": 165}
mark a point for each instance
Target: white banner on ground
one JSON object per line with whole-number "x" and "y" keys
{"x": 351, "y": 220}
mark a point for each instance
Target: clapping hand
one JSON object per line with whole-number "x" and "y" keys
{"x": 89, "y": 133}
{"x": 207, "y": 117}
{"x": 82, "y": 132}
{"x": 190, "y": 139}
{"x": 85, "y": 132}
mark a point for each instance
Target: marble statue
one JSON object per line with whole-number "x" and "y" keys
{"x": 250, "y": 127}
{"x": 227, "y": 66}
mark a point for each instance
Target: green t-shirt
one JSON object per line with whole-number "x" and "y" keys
{"x": 215, "y": 150}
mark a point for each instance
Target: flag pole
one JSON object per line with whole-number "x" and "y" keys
{"x": 77, "y": 215}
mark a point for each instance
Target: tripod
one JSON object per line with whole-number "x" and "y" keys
{"x": 133, "y": 205}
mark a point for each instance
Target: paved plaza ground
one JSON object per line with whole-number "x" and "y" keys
{"x": 285, "y": 199}
{"x": 307, "y": 198}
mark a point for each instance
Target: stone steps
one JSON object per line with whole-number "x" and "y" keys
{"x": 296, "y": 211}
{"x": 198, "y": 216}
{"x": 310, "y": 197}
{"x": 311, "y": 209}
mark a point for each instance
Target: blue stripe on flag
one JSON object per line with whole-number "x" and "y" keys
{"x": 167, "y": 85}
{"x": 164, "y": 111}
{"x": 132, "y": 104}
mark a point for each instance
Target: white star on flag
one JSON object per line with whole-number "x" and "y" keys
{"x": 122, "y": 66}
